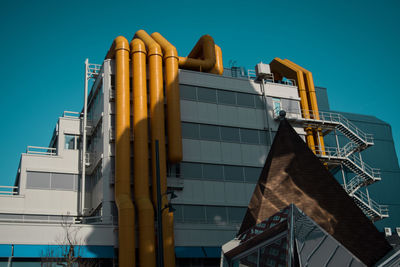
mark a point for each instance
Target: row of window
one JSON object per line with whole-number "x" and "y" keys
{"x": 202, "y": 94}
{"x": 216, "y": 172}
{"x": 219, "y": 215}
{"x": 49, "y": 180}
{"x": 225, "y": 134}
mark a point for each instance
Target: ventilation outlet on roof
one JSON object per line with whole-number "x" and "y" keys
{"x": 388, "y": 231}
{"x": 263, "y": 71}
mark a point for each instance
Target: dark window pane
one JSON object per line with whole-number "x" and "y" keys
{"x": 233, "y": 173}
{"x": 264, "y": 138}
{"x": 206, "y": 95}
{"x": 259, "y": 101}
{"x": 178, "y": 213}
{"x": 190, "y": 130}
{"x": 249, "y": 136}
{"x": 216, "y": 215}
{"x": 191, "y": 170}
{"x": 226, "y": 97}
{"x": 245, "y": 100}
{"x": 193, "y": 213}
{"x": 230, "y": 134}
{"x": 209, "y": 132}
{"x": 236, "y": 214}
{"x": 212, "y": 172}
{"x": 252, "y": 174}
{"x": 187, "y": 92}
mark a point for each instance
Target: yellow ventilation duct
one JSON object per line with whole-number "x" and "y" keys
{"x": 281, "y": 68}
{"x": 145, "y": 210}
{"x": 126, "y": 216}
{"x": 312, "y": 97}
{"x": 205, "y": 56}
{"x": 154, "y": 56}
{"x": 171, "y": 62}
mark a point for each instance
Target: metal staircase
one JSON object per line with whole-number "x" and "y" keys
{"x": 347, "y": 156}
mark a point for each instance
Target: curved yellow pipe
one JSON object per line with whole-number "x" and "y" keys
{"x": 284, "y": 68}
{"x": 202, "y": 57}
{"x": 147, "y": 256}
{"x": 158, "y": 133}
{"x": 313, "y": 101}
{"x": 126, "y": 216}
{"x": 219, "y": 66}
{"x": 173, "y": 100}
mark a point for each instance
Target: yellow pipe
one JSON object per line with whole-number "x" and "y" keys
{"x": 126, "y": 214}
{"x": 313, "y": 101}
{"x": 158, "y": 133}
{"x": 173, "y": 100}
{"x": 202, "y": 57}
{"x": 147, "y": 256}
{"x": 219, "y": 66}
{"x": 286, "y": 69}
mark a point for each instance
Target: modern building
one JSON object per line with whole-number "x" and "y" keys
{"x": 228, "y": 120}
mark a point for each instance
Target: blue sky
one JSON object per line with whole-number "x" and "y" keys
{"x": 352, "y": 48}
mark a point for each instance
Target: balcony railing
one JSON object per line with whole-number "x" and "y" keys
{"x": 38, "y": 150}
{"x": 8, "y": 190}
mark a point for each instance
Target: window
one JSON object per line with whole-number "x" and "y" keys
{"x": 277, "y": 105}
{"x": 226, "y": 97}
{"x": 245, "y": 100}
{"x": 213, "y": 172}
{"x": 216, "y": 215}
{"x": 193, "y": 213}
{"x": 188, "y": 92}
{"x": 206, "y": 95}
{"x": 259, "y": 101}
{"x": 233, "y": 173}
{"x": 209, "y": 132}
{"x": 191, "y": 170}
{"x": 252, "y": 174}
{"x": 236, "y": 214}
{"x": 249, "y": 136}
{"x": 71, "y": 142}
{"x": 230, "y": 134}
{"x": 190, "y": 130}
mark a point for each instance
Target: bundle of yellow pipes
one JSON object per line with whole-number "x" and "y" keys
{"x": 157, "y": 56}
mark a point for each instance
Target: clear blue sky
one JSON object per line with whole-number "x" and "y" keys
{"x": 352, "y": 48}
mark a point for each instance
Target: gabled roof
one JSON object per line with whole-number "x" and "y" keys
{"x": 293, "y": 174}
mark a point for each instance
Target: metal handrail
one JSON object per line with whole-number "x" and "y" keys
{"x": 331, "y": 117}
{"x": 11, "y": 193}
{"x": 382, "y": 210}
{"x": 341, "y": 153}
{"x": 71, "y": 114}
{"x": 354, "y": 184}
{"x": 38, "y": 150}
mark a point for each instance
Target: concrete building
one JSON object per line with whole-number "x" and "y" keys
{"x": 228, "y": 124}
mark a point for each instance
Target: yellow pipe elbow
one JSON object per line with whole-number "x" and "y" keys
{"x": 173, "y": 99}
{"x": 202, "y": 57}
{"x": 219, "y": 66}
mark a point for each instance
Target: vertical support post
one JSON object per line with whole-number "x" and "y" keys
{"x": 160, "y": 254}
{"x": 84, "y": 126}
{"x": 369, "y": 200}
{"x": 9, "y": 264}
{"x": 264, "y": 96}
{"x": 343, "y": 176}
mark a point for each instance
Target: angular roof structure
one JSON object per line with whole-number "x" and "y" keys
{"x": 292, "y": 174}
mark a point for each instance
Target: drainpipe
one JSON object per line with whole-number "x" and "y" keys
{"x": 143, "y": 203}
{"x": 126, "y": 214}
{"x": 171, "y": 62}
{"x": 154, "y": 56}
